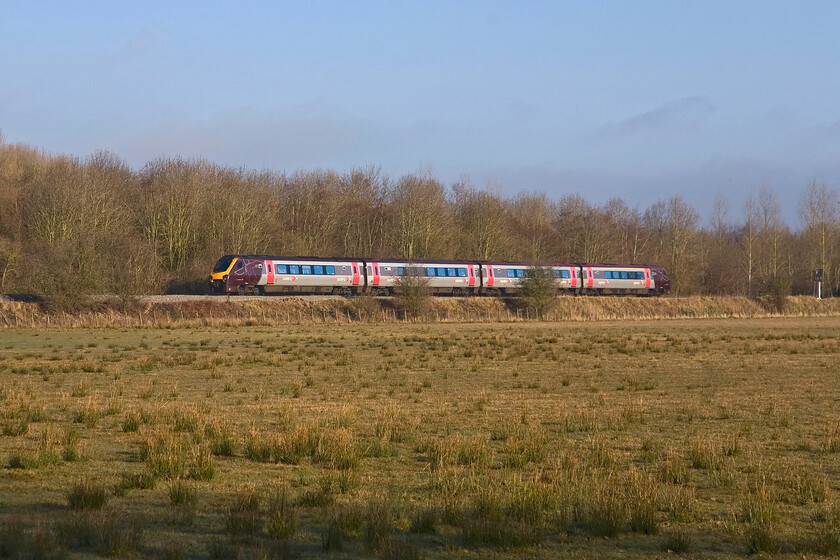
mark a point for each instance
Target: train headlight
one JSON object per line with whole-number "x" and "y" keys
{"x": 224, "y": 278}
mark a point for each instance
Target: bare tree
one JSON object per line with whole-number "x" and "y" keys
{"x": 721, "y": 265}
{"x": 771, "y": 236}
{"x": 482, "y": 221}
{"x": 240, "y": 212}
{"x": 582, "y": 231}
{"x": 673, "y": 226}
{"x": 818, "y": 214}
{"x": 421, "y": 218}
{"x": 362, "y": 213}
{"x": 170, "y": 209}
{"x": 10, "y": 254}
{"x": 627, "y": 236}
{"x": 533, "y": 222}
{"x": 749, "y": 230}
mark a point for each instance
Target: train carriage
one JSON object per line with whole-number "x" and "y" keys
{"x": 610, "y": 279}
{"x": 505, "y": 278}
{"x": 261, "y": 274}
{"x": 441, "y": 277}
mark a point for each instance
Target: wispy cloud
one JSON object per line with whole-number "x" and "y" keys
{"x": 679, "y": 113}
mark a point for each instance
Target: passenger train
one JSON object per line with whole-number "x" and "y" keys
{"x": 261, "y": 274}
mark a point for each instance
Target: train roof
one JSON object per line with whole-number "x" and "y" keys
{"x": 421, "y": 261}
{"x": 526, "y": 264}
{"x": 440, "y": 261}
{"x": 619, "y": 265}
{"x": 281, "y": 258}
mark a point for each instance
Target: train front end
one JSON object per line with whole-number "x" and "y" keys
{"x": 220, "y": 275}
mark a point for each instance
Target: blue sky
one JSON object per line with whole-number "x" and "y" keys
{"x": 641, "y": 100}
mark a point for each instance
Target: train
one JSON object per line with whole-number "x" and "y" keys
{"x": 263, "y": 274}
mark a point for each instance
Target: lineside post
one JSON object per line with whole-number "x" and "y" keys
{"x": 818, "y": 280}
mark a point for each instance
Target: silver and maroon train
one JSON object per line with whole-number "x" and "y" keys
{"x": 261, "y": 274}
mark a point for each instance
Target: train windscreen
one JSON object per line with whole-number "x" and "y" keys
{"x": 223, "y": 264}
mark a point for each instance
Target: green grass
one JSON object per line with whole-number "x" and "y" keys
{"x": 87, "y": 494}
{"x": 515, "y": 440}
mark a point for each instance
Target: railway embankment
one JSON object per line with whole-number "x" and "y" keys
{"x": 186, "y": 311}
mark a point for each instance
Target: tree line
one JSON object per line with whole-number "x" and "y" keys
{"x": 94, "y": 225}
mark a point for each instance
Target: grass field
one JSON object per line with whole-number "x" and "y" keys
{"x": 711, "y": 437}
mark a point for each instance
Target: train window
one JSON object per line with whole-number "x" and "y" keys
{"x": 431, "y": 272}
{"x": 462, "y": 272}
{"x": 511, "y": 273}
{"x": 329, "y": 269}
{"x": 280, "y": 269}
{"x": 305, "y": 269}
{"x": 400, "y": 271}
{"x": 317, "y": 269}
{"x": 294, "y": 269}
{"x": 624, "y": 275}
{"x": 441, "y": 271}
{"x": 223, "y": 264}
{"x": 520, "y": 273}
{"x": 565, "y": 274}
{"x": 451, "y": 272}
{"x": 269, "y": 267}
